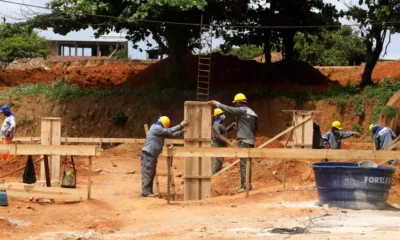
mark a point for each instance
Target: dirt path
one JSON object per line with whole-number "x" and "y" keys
{"x": 115, "y": 213}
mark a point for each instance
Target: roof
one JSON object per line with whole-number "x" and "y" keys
{"x": 92, "y": 41}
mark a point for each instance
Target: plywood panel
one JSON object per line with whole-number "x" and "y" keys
{"x": 303, "y": 135}
{"x": 198, "y": 134}
{"x": 51, "y": 135}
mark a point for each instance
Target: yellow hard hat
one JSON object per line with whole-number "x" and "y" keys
{"x": 370, "y": 128}
{"x": 218, "y": 111}
{"x": 165, "y": 121}
{"x": 239, "y": 97}
{"x": 337, "y": 124}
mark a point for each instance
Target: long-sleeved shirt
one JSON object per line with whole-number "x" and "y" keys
{"x": 8, "y": 125}
{"x": 246, "y": 122}
{"x": 220, "y": 128}
{"x": 156, "y": 136}
{"x": 383, "y": 138}
{"x": 334, "y": 139}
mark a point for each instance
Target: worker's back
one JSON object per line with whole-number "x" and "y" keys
{"x": 384, "y": 138}
{"x": 246, "y": 124}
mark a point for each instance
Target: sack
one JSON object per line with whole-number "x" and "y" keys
{"x": 69, "y": 178}
{"x": 29, "y": 176}
{"x": 317, "y": 143}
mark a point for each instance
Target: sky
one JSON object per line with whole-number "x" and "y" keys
{"x": 13, "y": 10}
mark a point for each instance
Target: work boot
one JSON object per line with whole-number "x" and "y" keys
{"x": 149, "y": 195}
{"x": 243, "y": 189}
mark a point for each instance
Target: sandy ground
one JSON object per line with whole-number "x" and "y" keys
{"x": 115, "y": 212}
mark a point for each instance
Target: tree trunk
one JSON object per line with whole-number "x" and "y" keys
{"x": 372, "y": 55}
{"x": 177, "y": 49}
{"x": 288, "y": 44}
{"x": 267, "y": 54}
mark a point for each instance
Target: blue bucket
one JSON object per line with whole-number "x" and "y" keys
{"x": 346, "y": 185}
{"x": 3, "y": 198}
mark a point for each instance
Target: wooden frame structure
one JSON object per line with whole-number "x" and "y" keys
{"x": 50, "y": 135}
{"x": 31, "y": 190}
{"x": 197, "y": 173}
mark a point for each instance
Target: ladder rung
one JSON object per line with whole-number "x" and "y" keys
{"x": 203, "y": 58}
{"x": 204, "y": 64}
{"x": 204, "y": 94}
{"x": 203, "y": 70}
{"x": 200, "y": 88}
{"x": 202, "y": 76}
{"x": 203, "y": 82}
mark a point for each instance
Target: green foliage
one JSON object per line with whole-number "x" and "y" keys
{"x": 120, "y": 52}
{"x": 20, "y": 41}
{"x": 342, "y": 47}
{"x": 359, "y": 109}
{"x": 25, "y": 119}
{"x": 389, "y": 112}
{"x": 75, "y": 117}
{"x": 357, "y": 128}
{"x": 119, "y": 119}
{"x": 244, "y": 52}
{"x": 378, "y": 19}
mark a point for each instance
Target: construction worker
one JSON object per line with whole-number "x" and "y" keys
{"x": 152, "y": 149}
{"x": 383, "y": 136}
{"x": 246, "y": 121}
{"x": 218, "y": 127}
{"x": 8, "y": 128}
{"x": 333, "y": 138}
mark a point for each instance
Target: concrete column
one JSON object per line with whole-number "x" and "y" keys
{"x": 62, "y": 50}
{"x": 83, "y": 51}
{"x": 69, "y": 51}
{"x": 98, "y": 50}
{"x": 76, "y": 49}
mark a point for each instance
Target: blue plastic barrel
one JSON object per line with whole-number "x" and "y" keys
{"x": 346, "y": 185}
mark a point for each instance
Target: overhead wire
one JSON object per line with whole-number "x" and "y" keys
{"x": 206, "y": 25}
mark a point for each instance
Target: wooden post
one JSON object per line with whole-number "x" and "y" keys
{"x": 169, "y": 179}
{"x": 198, "y": 134}
{"x": 90, "y": 178}
{"x": 247, "y": 176}
{"x": 284, "y": 174}
{"x": 47, "y": 170}
{"x": 51, "y": 135}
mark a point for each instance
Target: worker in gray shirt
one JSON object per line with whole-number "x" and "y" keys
{"x": 7, "y": 128}
{"x": 219, "y": 130}
{"x": 383, "y": 136}
{"x": 152, "y": 149}
{"x": 333, "y": 138}
{"x": 246, "y": 124}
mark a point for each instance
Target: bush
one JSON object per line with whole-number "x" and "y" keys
{"x": 119, "y": 119}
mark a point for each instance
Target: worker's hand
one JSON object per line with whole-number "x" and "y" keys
{"x": 326, "y": 145}
{"x": 212, "y": 103}
{"x": 356, "y": 134}
{"x": 7, "y": 134}
{"x": 185, "y": 122}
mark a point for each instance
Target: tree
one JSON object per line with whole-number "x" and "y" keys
{"x": 342, "y": 47}
{"x": 20, "y": 41}
{"x": 279, "y": 13}
{"x": 244, "y": 52}
{"x": 141, "y": 20}
{"x": 378, "y": 19}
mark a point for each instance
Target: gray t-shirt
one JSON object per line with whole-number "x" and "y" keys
{"x": 384, "y": 138}
{"x": 8, "y": 125}
{"x": 219, "y": 128}
{"x": 246, "y": 122}
{"x": 334, "y": 139}
{"x": 156, "y": 136}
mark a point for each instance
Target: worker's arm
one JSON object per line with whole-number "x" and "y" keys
{"x": 325, "y": 139}
{"x": 393, "y": 134}
{"x": 344, "y": 134}
{"x": 237, "y": 111}
{"x": 168, "y": 132}
{"x": 376, "y": 141}
{"x": 217, "y": 128}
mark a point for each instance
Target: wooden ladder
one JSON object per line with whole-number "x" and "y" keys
{"x": 204, "y": 64}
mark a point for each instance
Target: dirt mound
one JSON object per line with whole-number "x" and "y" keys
{"x": 17, "y": 162}
{"x": 273, "y": 144}
{"x": 5, "y": 224}
{"x": 28, "y": 63}
{"x": 382, "y": 70}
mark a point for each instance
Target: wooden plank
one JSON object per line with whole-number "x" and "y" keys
{"x": 26, "y": 191}
{"x": 206, "y": 169}
{"x": 192, "y": 186}
{"x": 223, "y": 138}
{"x": 282, "y": 153}
{"x": 97, "y": 140}
{"x": 55, "y": 159}
{"x": 197, "y": 177}
{"x": 303, "y": 134}
{"x": 227, "y": 168}
{"x": 34, "y": 149}
{"x": 284, "y": 132}
{"x": 169, "y": 160}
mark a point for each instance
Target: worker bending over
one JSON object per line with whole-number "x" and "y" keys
{"x": 152, "y": 149}
{"x": 218, "y": 127}
{"x": 333, "y": 138}
{"x": 8, "y": 128}
{"x": 246, "y": 124}
{"x": 383, "y": 136}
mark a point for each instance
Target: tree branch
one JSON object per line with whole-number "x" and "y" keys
{"x": 387, "y": 45}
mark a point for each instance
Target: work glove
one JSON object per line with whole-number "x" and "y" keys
{"x": 185, "y": 122}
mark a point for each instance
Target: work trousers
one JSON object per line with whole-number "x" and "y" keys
{"x": 149, "y": 166}
{"x": 217, "y": 164}
{"x": 7, "y": 156}
{"x": 243, "y": 166}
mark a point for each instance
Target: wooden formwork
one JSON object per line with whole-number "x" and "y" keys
{"x": 197, "y": 173}
{"x": 51, "y": 135}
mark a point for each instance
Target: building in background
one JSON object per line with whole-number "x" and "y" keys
{"x": 86, "y": 48}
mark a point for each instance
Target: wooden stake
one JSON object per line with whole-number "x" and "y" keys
{"x": 169, "y": 180}
{"x": 284, "y": 174}
{"x": 47, "y": 170}
{"x": 90, "y": 178}
{"x": 247, "y": 176}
